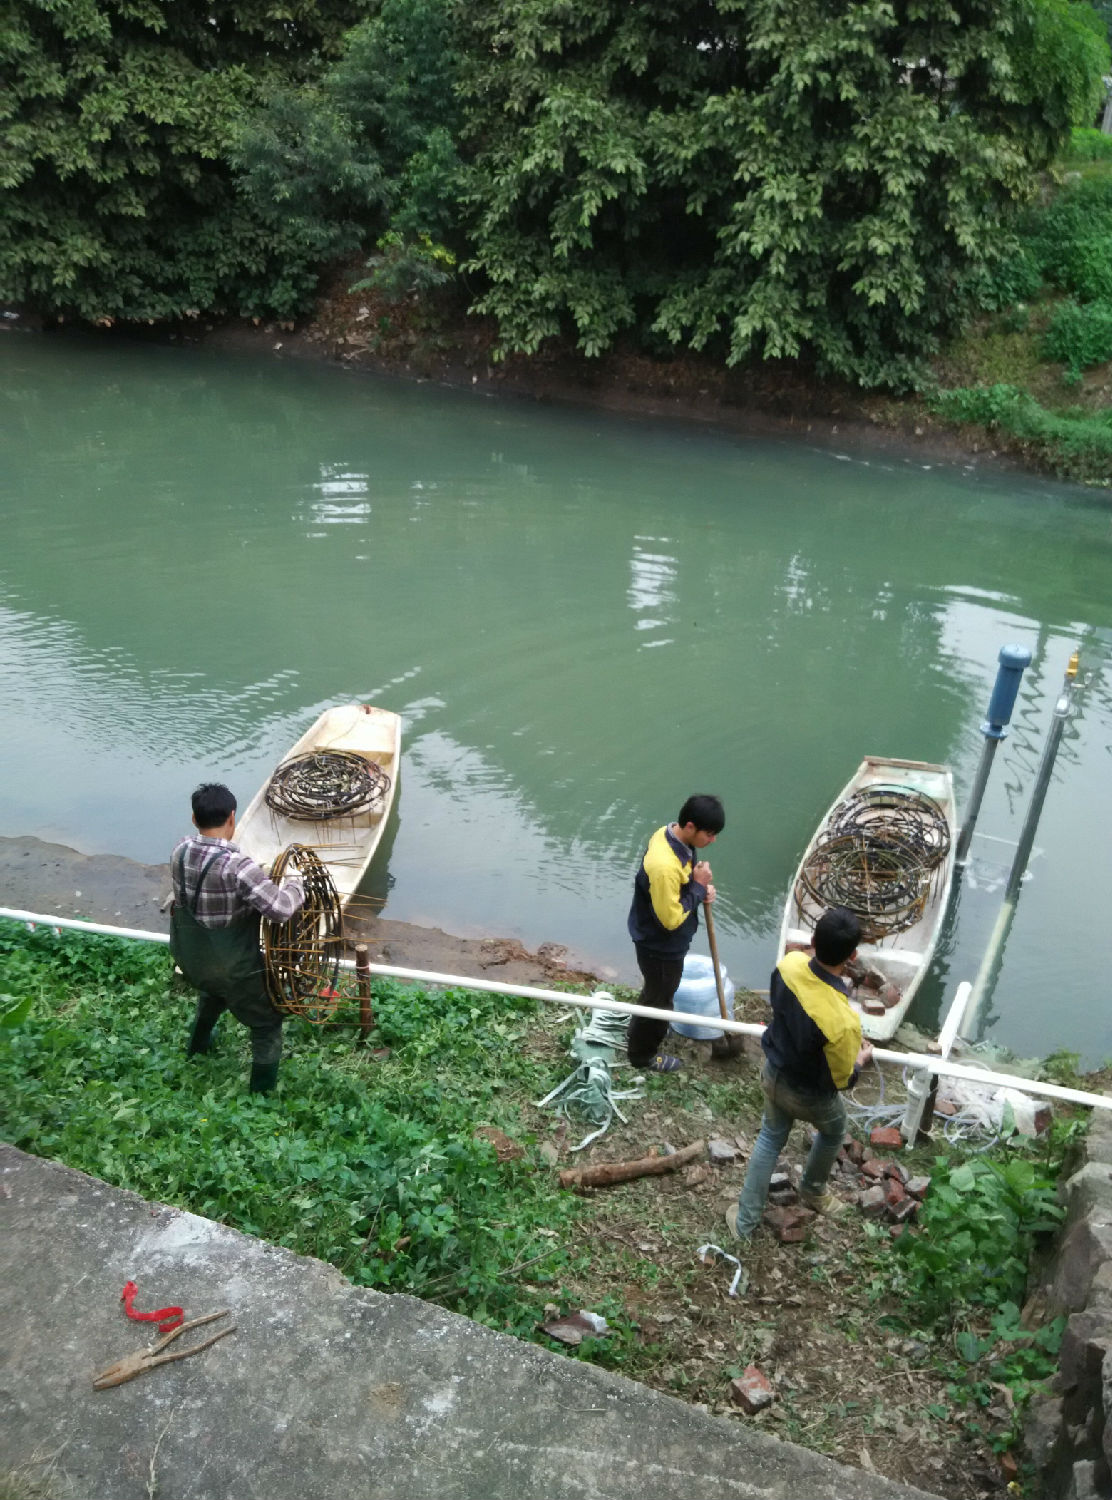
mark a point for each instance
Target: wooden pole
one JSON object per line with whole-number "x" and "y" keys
{"x": 363, "y": 984}
{"x": 606, "y": 1172}
{"x": 729, "y": 1044}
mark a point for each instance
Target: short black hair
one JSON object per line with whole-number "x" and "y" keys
{"x": 213, "y": 805}
{"x": 837, "y": 933}
{"x": 705, "y": 811}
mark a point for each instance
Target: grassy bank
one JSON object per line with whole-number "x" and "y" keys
{"x": 1033, "y": 375}
{"x": 892, "y": 1354}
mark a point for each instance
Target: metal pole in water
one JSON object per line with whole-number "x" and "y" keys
{"x": 1013, "y": 660}
{"x": 1042, "y": 780}
{"x": 982, "y": 985}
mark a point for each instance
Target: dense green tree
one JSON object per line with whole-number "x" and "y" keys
{"x": 773, "y": 177}
{"x": 114, "y": 128}
{"x": 369, "y": 148}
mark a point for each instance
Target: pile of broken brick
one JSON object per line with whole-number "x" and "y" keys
{"x": 884, "y": 1189}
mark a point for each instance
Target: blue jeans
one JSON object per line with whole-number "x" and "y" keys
{"x": 783, "y": 1106}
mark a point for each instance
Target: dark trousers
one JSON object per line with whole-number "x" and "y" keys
{"x": 252, "y": 1008}
{"x": 661, "y": 978}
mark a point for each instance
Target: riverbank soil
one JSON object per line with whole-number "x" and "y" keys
{"x": 59, "y": 881}
{"x": 811, "y": 1319}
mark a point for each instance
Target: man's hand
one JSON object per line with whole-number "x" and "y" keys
{"x": 865, "y": 1056}
{"x": 701, "y": 873}
{"x": 710, "y": 895}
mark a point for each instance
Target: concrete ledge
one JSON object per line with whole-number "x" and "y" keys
{"x": 326, "y": 1391}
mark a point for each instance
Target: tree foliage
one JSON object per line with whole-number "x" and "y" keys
{"x": 114, "y": 128}
{"x": 369, "y": 147}
{"x": 758, "y": 177}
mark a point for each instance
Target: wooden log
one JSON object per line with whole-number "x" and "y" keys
{"x": 363, "y": 983}
{"x": 607, "y": 1172}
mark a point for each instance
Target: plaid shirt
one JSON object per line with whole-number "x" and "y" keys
{"x": 234, "y": 883}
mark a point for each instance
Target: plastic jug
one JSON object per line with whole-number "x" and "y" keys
{"x": 699, "y": 995}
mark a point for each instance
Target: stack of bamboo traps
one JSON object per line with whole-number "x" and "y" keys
{"x": 878, "y": 855}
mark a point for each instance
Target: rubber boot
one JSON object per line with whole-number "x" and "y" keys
{"x": 200, "y": 1041}
{"x": 205, "y": 1018}
{"x": 264, "y": 1077}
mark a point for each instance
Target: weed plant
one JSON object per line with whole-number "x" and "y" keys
{"x": 1079, "y": 337}
{"x": 372, "y": 1166}
{"x": 965, "y": 1274}
{"x": 1077, "y": 443}
{"x": 1088, "y": 145}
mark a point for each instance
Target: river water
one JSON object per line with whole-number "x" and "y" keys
{"x": 580, "y": 618}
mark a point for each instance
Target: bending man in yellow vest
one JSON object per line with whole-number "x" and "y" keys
{"x": 813, "y": 1050}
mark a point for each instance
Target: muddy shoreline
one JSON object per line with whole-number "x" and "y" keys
{"x": 55, "y": 880}
{"x": 778, "y": 403}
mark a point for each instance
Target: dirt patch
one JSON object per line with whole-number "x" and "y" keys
{"x": 58, "y": 881}
{"x": 811, "y": 1318}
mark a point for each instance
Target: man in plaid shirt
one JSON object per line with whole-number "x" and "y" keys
{"x": 220, "y": 895}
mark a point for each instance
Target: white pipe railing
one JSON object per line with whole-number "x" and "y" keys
{"x": 604, "y": 1001}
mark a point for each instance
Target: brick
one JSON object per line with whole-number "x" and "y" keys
{"x": 945, "y": 1107}
{"x": 874, "y": 1170}
{"x": 895, "y": 1192}
{"x": 789, "y": 1225}
{"x": 903, "y": 1211}
{"x": 752, "y": 1391}
{"x": 894, "y": 1170}
{"x": 917, "y": 1186}
{"x": 873, "y": 1204}
{"x": 887, "y": 1137}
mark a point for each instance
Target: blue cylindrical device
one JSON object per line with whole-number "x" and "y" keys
{"x": 1013, "y": 660}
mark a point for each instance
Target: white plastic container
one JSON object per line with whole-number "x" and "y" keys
{"x": 699, "y": 995}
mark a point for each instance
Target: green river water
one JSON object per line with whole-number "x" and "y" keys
{"x": 580, "y": 618}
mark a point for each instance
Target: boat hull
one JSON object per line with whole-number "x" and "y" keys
{"x": 901, "y": 959}
{"x": 345, "y": 845}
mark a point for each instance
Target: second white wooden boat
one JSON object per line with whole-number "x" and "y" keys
{"x": 344, "y": 844}
{"x": 882, "y": 796}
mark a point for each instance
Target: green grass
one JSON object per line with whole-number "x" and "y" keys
{"x": 372, "y": 1166}
{"x": 1076, "y": 443}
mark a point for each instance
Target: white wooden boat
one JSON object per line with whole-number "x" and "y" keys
{"x": 880, "y": 793}
{"x": 345, "y": 844}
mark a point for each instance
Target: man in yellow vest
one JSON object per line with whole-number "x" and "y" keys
{"x": 813, "y": 1050}
{"x": 670, "y": 885}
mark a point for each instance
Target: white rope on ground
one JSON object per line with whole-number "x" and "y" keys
{"x": 923, "y": 1062}
{"x": 725, "y": 1255}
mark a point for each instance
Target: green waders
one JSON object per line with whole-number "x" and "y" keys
{"x": 225, "y": 965}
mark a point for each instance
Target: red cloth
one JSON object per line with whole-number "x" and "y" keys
{"x": 167, "y": 1318}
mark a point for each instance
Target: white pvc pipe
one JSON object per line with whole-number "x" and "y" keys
{"x": 954, "y": 1017}
{"x": 36, "y": 919}
{"x": 603, "y": 1001}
